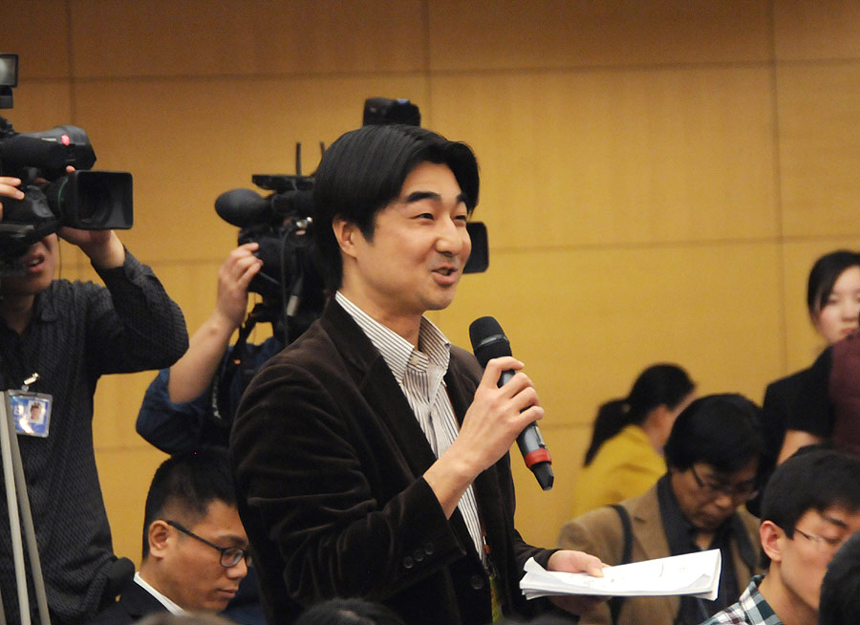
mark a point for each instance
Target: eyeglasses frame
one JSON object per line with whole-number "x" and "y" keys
{"x": 242, "y": 553}
{"x": 730, "y": 491}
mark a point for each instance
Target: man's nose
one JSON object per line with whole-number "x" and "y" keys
{"x": 238, "y": 570}
{"x": 452, "y": 237}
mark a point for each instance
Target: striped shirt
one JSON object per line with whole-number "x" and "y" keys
{"x": 751, "y": 609}
{"x": 420, "y": 374}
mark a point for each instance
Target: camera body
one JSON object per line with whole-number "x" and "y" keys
{"x": 281, "y": 224}
{"x": 53, "y": 198}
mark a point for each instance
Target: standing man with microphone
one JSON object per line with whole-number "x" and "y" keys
{"x": 371, "y": 456}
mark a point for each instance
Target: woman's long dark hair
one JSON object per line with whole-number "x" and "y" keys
{"x": 662, "y": 384}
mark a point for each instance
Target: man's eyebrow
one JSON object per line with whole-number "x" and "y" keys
{"x": 417, "y": 196}
{"x": 837, "y": 522}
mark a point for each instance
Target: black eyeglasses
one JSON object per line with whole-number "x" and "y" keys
{"x": 230, "y": 556}
{"x": 744, "y": 492}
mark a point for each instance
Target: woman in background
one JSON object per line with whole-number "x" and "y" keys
{"x": 625, "y": 457}
{"x": 833, "y": 301}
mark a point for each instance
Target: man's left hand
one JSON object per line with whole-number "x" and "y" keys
{"x": 576, "y": 562}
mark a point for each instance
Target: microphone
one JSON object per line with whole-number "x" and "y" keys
{"x": 241, "y": 207}
{"x": 488, "y": 342}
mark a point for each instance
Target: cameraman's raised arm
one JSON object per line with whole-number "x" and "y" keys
{"x": 193, "y": 373}
{"x": 176, "y": 413}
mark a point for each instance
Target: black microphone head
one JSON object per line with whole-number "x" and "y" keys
{"x": 241, "y": 207}
{"x": 488, "y": 340}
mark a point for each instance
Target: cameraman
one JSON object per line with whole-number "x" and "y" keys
{"x": 177, "y": 413}
{"x": 71, "y": 333}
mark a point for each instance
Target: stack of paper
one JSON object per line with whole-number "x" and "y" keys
{"x": 696, "y": 574}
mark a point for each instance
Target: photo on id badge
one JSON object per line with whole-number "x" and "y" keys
{"x": 31, "y": 412}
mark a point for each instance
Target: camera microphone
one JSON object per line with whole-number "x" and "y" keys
{"x": 488, "y": 342}
{"x": 242, "y": 207}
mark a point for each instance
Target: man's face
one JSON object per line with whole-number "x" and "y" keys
{"x": 40, "y": 265}
{"x": 419, "y": 248}
{"x": 196, "y": 579}
{"x": 804, "y": 557}
{"x": 707, "y": 497}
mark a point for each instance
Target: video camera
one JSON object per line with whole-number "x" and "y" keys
{"x": 289, "y": 280}
{"x": 88, "y": 200}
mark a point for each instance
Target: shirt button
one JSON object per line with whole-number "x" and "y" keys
{"x": 419, "y": 555}
{"x": 408, "y": 562}
{"x": 476, "y": 582}
{"x": 429, "y": 548}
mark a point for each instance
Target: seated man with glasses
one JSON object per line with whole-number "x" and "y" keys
{"x": 195, "y": 550}
{"x": 811, "y": 507}
{"x": 712, "y": 457}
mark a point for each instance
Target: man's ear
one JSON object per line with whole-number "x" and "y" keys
{"x": 345, "y": 233}
{"x": 159, "y": 536}
{"x": 771, "y": 534}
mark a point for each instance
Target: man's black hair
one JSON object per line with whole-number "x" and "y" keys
{"x": 840, "y": 591}
{"x": 364, "y": 170}
{"x": 351, "y": 611}
{"x": 719, "y": 430}
{"x": 812, "y": 479}
{"x": 184, "y": 486}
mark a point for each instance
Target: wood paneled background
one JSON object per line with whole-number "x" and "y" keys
{"x": 658, "y": 177}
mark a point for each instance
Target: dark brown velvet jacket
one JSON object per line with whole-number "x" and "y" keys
{"x": 329, "y": 461}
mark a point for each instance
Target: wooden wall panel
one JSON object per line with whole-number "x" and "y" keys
{"x": 522, "y": 34}
{"x": 40, "y": 105}
{"x": 604, "y": 158}
{"x": 820, "y": 148}
{"x": 125, "y": 475}
{"x": 255, "y": 37}
{"x": 38, "y": 32}
{"x": 816, "y": 30}
{"x": 187, "y": 142}
{"x": 586, "y": 322}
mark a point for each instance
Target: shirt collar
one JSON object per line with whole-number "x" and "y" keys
{"x": 398, "y": 353}
{"x": 171, "y": 606}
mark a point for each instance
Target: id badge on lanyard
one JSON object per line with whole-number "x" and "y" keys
{"x": 31, "y": 412}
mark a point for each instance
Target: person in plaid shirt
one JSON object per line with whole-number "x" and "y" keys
{"x": 811, "y": 507}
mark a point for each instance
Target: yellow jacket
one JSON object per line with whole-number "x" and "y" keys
{"x": 625, "y": 466}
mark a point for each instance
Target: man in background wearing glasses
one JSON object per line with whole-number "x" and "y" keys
{"x": 811, "y": 506}
{"x": 712, "y": 457}
{"x": 195, "y": 550}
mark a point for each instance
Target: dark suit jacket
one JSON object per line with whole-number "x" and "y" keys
{"x": 780, "y": 399}
{"x": 329, "y": 460}
{"x": 134, "y": 603}
{"x": 600, "y": 532}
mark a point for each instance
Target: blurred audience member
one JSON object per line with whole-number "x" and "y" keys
{"x": 712, "y": 457}
{"x": 840, "y": 591}
{"x": 195, "y": 550}
{"x": 833, "y": 301}
{"x": 166, "y": 618}
{"x": 625, "y": 457}
{"x": 810, "y": 508}
{"x": 353, "y": 611}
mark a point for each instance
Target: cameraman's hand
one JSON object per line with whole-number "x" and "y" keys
{"x": 234, "y": 276}
{"x": 9, "y": 188}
